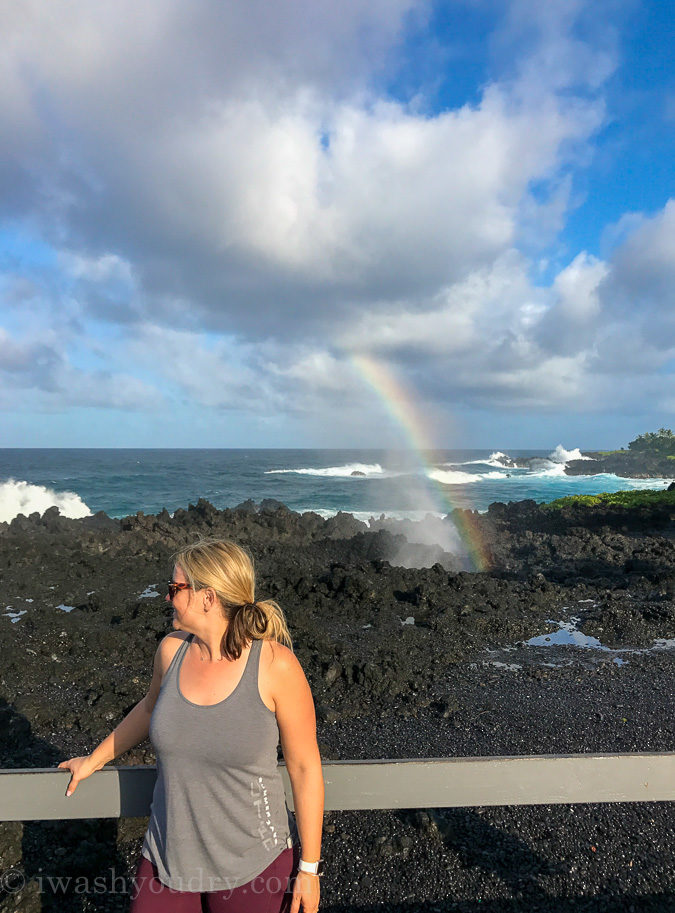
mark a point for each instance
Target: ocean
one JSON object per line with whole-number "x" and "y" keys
{"x": 367, "y": 483}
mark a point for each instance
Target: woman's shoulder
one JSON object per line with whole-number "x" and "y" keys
{"x": 272, "y": 651}
{"x": 169, "y": 645}
{"x": 278, "y": 662}
{"x": 164, "y": 654}
{"x": 176, "y": 637}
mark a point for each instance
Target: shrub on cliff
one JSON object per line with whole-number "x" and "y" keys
{"x": 660, "y": 443}
{"x": 648, "y": 497}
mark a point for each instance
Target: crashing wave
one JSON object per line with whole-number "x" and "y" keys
{"x": 500, "y": 459}
{"x": 497, "y": 459}
{"x": 19, "y": 497}
{"x": 554, "y": 464}
{"x": 346, "y": 471}
{"x": 560, "y": 455}
{"x": 453, "y": 477}
{"x": 545, "y": 469}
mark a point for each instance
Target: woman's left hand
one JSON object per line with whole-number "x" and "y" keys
{"x": 306, "y": 891}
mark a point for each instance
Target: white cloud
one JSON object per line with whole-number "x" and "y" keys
{"x": 231, "y": 168}
{"x": 645, "y": 262}
{"x": 96, "y": 269}
{"x": 459, "y": 319}
{"x": 496, "y": 338}
{"x": 552, "y": 53}
{"x": 262, "y": 180}
{"x": 216, "y": 373}
{"x": 576, "y": 287}
{"x": 573, "y": 317}
{"x": 42, "y": 371}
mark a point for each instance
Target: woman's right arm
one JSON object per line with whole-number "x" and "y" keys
{"x": 133, "y": 730}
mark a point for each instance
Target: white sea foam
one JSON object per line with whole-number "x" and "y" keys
{"x": 642, "y": 483}
{"x": 365, "y": 516}
{"x": 554, "y": 464}
{"x": 453, "y": 477}
{"x": 560, "y": 455}
{"x": 19, "y": 497}
{"x": 472, "y": 477}
{"x": 497, "y": 455}
{"x": 546, "y": 470}
{"x": 346, "y": 471}
{"x": 497, "y": 459}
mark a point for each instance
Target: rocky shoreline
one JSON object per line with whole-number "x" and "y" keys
{"x": 626, "y": 464}
{"x": 428, "y": 661}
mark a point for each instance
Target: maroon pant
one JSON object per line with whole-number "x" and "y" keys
{"x": 269, "y": 892}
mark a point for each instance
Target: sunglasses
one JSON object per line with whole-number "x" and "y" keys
{"x": 176, "y": 587}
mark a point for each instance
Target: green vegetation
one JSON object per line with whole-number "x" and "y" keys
{"x": 644, "y": 498}
{"x": 660, "y": 443}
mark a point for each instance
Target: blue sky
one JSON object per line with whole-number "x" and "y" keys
{"x": 208, "y": 210}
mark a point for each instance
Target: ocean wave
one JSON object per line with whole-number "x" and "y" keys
{"x": 19, "y": 497}
{"x": 550, "y": 471}
{"x": 554, "y": 464}
{"x": 497, "y": 455}
{"x": 611, "y": 478}
{"x": 346, "y": 471}
{"x": 453, "y": 477}
{"x": 643, "y": 483}
{"x": 496, "y": 459}
{"x": 560, "y": 455}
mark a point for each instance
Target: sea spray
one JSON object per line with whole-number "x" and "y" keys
{"x": 349, "y": 470}
{"x": 19, "y": 497}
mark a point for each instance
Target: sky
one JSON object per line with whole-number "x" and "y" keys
{"x": 213, "y": 214}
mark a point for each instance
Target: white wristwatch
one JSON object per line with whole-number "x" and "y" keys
{"x": 312, "y": 868}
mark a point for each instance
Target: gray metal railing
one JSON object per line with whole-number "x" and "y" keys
{"x": 38, "y": 794}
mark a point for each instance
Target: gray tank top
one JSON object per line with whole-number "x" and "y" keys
{"x": 218, "y": 816}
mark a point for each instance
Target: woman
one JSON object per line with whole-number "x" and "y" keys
{"x": 225, "y": 687}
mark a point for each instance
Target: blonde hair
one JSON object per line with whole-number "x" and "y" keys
{"x": 228, "y": 570}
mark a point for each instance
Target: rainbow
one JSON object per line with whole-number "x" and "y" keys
{"x": 405, "y": 412}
